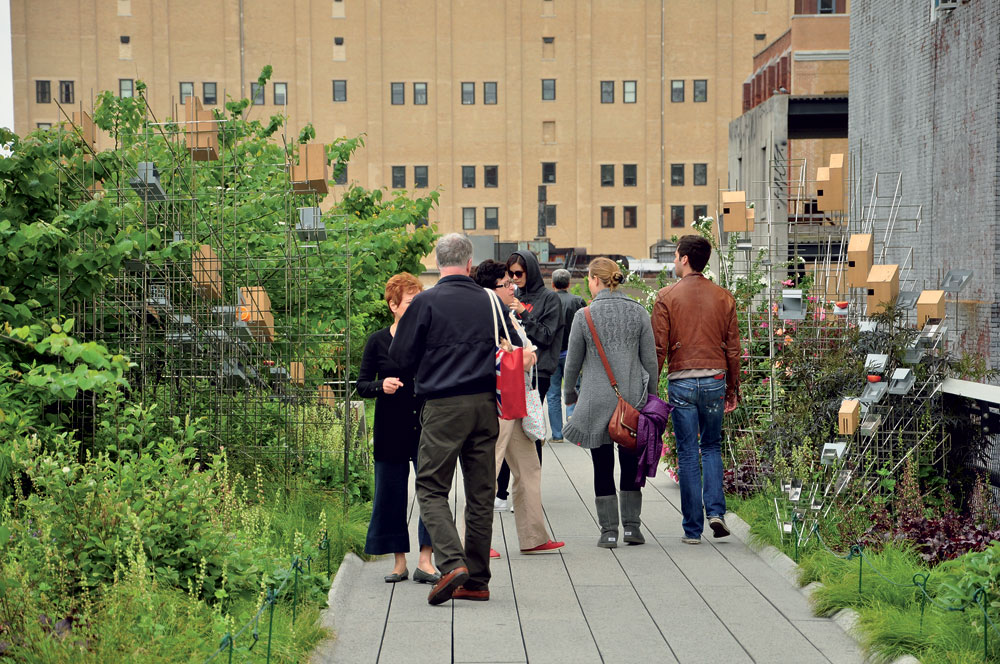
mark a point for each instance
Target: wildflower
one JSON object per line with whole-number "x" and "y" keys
{"x": 765, "y": 381}
{"x": 788, "y": 340}
{"x": 66, "y": 470}
{"x": 764, "y": 325}
{"x": 787, "y": 282}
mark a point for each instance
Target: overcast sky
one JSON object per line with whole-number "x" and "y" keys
{"x": 6, "y": 72}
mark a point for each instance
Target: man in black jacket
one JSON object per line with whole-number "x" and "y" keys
{"x": 446, "y": 339}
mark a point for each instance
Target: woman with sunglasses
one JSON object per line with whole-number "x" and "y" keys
{"x": 512, "y": 445}
{"x": 626, "y": 334}
{"x": 540, "y": 313}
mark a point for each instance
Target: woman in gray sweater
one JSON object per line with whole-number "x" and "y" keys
{"x": 627, "y": 336}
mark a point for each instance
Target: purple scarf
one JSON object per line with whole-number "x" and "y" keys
{"x": 649, "y": 441}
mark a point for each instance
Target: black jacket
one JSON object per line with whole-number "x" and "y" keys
{"x": 570, "y": 305}
{"x": 543, "y": 320}
{"x": 397, "y": 415}
{"x": 446, "y": 339}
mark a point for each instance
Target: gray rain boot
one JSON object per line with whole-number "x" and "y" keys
{"x": 607, "y": 517}
{"x": 631, "y": 503}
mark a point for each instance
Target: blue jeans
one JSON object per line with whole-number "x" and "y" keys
{"x": 697, "y": 416}
{"x": 554, "y": 399}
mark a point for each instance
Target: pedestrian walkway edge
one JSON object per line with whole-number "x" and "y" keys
{"x": 846, "y": 619}
{"x": 336, "y": 602}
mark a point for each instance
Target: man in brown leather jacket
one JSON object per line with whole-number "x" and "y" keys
{"x": 695, "y": 328}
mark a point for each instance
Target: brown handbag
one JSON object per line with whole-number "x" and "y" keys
{"x": 624, "y": 425}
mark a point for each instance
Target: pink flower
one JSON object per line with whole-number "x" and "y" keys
{"x": 787, "y": 282}
{"x": 765, "y": 381}
{"x": 764, "y": 325}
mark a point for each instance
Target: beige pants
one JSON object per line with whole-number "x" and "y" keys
{"x": 526, "y": 469}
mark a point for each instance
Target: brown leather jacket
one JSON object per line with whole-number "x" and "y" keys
{"x": 694, "y": 325}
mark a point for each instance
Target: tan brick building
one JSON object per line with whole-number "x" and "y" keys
{"x": 620, "y": 107}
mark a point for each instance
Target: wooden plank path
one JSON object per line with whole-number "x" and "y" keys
{"x": 664, "y": 601}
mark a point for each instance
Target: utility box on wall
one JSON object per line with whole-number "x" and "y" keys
{"x": 860, "y": 257}
{"x": 883, "y": 287}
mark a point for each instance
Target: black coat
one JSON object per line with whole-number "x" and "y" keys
{"x": 446, "y": 339}
{"x": 543, "y": 321}
{"x": 397, "y": 415}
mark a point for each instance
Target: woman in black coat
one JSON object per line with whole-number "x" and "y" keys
{"x": 397, "y": 433}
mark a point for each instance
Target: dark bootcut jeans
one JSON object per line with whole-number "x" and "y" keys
{"x": 697, "y": 416}
{"x": 462, "y": 430}
{"x": 387, "y": 530}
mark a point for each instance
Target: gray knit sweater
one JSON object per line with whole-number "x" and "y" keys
{"x": 627, "y": 336}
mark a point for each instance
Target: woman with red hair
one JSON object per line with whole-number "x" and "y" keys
{"x": 397, "y": 433}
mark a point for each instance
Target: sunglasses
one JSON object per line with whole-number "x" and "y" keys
{"x": 505, "y": 284}
{"x": 517, "y": 274}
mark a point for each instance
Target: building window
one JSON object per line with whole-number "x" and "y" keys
{"x": 397, "y": 94}
{"x": 676, "y": 175}
{"x": 124, "y": 7}
{"x": 420, "y": 94}
{"x": 422, "y": 222}
{"x": 208, "y": 94}
{"x": 701, "y": 90}
{"x": 490, "y": 92}
{"x": 468, "y": 219}
{"x": 548, "y": 48}
{"x": 491, "y": 218}
{"x": 491, "y": 176}
{"x": 399, "y": 177}
{"x": 548, "y": 131}
{"x": 607, "y": 216}
{"x": 607, "y": 92}
{"x": 468, "y": 93}
{"x": 629, "y": 178}
{"x": 340, "y": 173}
{"x": 825, "y": 7}
{"x": 340, "y": 90}
{"x": 700, "y": 175}
{"x": 677, "y": 216}
{"x": 468, "y": 177}
{"x": 126, "y": 88}
{"x": 280, "y": 94}
{"x": 43, "y": 92}
{"x": 628, "y": 92}
{"x": 187, "y": 90}
{"x": 256, "y": 94}
{"x": 676, "y": 91}
{"x": 548, "y": 89}
{"x": 339, "y": 50}
{"x": 607, "y": 175}
{"x": 548, "y": 172}
{"x": 550, "y": 215}
{"x": 630, "y": 216}
{"x": 43, "y": 125}
{"x": 66, "y": 95}
{"x": 700, "y": 211}
{"x": 124, "y": 47}
{"x": 420, "y": 177}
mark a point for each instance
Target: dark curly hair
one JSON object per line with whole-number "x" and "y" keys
{"x": 488, "y": 272}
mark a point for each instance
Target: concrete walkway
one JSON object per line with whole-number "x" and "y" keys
{"x": 664, "y": 601}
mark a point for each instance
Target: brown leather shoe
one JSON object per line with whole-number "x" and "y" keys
{"x": 443, "y": 589}
{"x": 475, "y": 595}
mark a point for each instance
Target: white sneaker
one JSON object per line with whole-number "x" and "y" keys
{"x": 500, "y": 505}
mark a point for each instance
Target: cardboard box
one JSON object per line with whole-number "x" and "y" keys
{"x": 734, "y": 212}
{"x": 310, "y": 175}
{"x": 830, "y": 185}
{"x": 256, "y": 301}
{"x": 297, "y": 372}
{"x": 930, "y": 304}
{"x": 883, "y": 287}
{"x": 84, "y": 127}
{"x": 849, "y": 417}
{"x": 860, "y": 258}
{"x": 201, "y": 131}
{"x": 206, "y": 271}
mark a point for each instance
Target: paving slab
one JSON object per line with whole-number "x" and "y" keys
{"x": 664, "y": 601}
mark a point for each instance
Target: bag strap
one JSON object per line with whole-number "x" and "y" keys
{"x": 494, "y": 303}
{"x": 600, "y": 350}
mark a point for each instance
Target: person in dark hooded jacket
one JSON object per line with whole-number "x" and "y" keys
{"x": 541, "y": 315}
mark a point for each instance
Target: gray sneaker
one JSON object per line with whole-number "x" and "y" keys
{"x": 718, "y": 526}
{"x": 691, "y": 540}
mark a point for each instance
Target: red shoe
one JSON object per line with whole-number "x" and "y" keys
{"x": 475, "y": 595}
{"x": 548, "y": 547}
{"x": 494, "y": 553}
